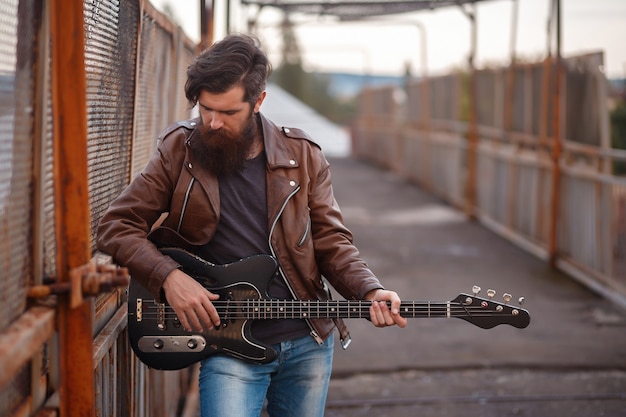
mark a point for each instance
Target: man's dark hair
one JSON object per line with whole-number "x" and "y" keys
{"x": 237, "y": 59}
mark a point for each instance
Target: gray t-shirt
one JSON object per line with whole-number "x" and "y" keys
{"x": 243, "y": 231}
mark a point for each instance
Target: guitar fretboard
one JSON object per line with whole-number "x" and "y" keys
{"x": 292, "y": 309}
{"x": 263, "y": 309}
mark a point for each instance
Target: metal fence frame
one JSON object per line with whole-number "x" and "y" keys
{"x": 85, "y": 88}
{"x": 554, "y": 196}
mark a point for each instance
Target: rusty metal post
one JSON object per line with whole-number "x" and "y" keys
{"x": 72, "y": 203}
{"x": 206, "y": 24}
{"x": 509, "y": 107}
{"x": 556, "y": 140}
{"x": 472, "y": 129}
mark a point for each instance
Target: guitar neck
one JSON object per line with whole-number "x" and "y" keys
{"x": 297, "y": 309}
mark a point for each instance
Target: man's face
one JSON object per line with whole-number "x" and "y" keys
{"x": 228, "y": 130}
{"x": 227, "y": 111}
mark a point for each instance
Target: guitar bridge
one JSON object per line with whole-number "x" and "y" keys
{"x": 139, "y": 310}
{"x": 161, "y": 316}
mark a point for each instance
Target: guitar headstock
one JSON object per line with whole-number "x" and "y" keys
{"x": 487, "y": 313}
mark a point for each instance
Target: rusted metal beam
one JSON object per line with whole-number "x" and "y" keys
{"x": 23, "y": 339}
{"x": 85, "y": 281}
{"x": 72, "y": 202}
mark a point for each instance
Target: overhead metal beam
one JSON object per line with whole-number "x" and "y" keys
{"x": 347, "y": 9}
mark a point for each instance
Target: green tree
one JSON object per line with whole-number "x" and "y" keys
{"x": 312, "y": 89}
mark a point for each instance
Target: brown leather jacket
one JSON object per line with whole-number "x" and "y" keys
{"x": 307, "y": 234}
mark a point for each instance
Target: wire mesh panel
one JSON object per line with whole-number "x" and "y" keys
{"x": 444, "y": 97}
{"x": 135, "y": 70}
{"x": 16, "y": 142}
{"x": 161, "y": 78}
{"x": 110, "y": 49}
{"x": 489, "y": 105}
{"x": 17, "y": 80}
{"x": 28, "y": 206}
{"x": 414, "y": 102}
{"x": 583, "y": 115}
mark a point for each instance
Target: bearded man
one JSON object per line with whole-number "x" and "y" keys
{"x": 234, "y": 185}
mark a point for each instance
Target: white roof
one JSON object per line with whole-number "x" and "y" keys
{"x": 285, "y": 110}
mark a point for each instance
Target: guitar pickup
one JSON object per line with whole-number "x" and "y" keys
{"x": 175, "y": 344}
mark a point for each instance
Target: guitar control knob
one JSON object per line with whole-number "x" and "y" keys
{"x": 158, "y": 344}
{"x": 192, "y": 344}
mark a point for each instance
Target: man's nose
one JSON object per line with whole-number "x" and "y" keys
{"x": 215, "y": 120}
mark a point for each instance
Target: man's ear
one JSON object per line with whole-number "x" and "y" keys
{"x": 259, "y": 101}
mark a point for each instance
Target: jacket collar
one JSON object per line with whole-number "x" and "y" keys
{"x": 276, "y": 151}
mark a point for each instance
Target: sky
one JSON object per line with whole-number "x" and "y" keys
{"x": 386, "y": 48}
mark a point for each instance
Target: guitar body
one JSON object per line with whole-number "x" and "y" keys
{"x": 157, "y": 337}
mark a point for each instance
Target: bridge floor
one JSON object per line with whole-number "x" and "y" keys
{"x": 570, "y": 360}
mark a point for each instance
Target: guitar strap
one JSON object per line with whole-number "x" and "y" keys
{"x": 344, "y": 334}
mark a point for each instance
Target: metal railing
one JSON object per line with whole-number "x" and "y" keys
{"x": 554, "y": 196}
{"x": 93, "y": 103}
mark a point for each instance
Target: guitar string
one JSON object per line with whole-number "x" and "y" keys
{"x": 297, "y": 307}
{"x": 263, "y": 308}
{"x": 295, "y": 304}
{"x": 455, "y": 311}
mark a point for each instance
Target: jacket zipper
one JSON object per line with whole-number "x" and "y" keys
{"x": 306, "y": 231}
{"x": 185, "y": 201}
{"x": 314, "y": 333}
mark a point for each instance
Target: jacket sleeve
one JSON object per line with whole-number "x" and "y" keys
{"x": 338, "y": 258}
{"x": 123, "y": 230}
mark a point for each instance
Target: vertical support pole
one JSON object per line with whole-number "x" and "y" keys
{"x": 556, "y": 140}
{"x": 509, "y": 105}
{"x": 425, "y": 123}
{"x": 206, "y": 24}
{"x": 72, "y": 202}
{"x": 509, "y": 109}
{"x": 228, "y": 16}
{"x": 472, "y": 130}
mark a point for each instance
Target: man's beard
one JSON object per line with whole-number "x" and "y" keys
{"x": 222, "y": 152}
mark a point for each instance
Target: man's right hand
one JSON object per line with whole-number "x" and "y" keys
{"x": 191, "y": 302}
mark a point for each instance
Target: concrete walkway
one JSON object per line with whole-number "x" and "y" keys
{"x": 570, "y": 360}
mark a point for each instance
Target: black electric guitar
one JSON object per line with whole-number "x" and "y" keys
{"x": 159, "y": 341}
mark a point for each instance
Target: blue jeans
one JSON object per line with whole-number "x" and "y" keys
{"x": 295, "y": 383}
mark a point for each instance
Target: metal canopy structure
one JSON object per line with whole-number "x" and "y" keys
{"x": 357, "y": 9}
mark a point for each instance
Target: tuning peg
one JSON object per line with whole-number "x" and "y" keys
{"x": 491, "y": 293}
{"x": 521, "y": 300}
{"x": 507, "y": 297}
{"x": 475, "y": 289}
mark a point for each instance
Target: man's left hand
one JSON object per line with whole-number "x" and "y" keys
{"x": 380, "y": 313}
